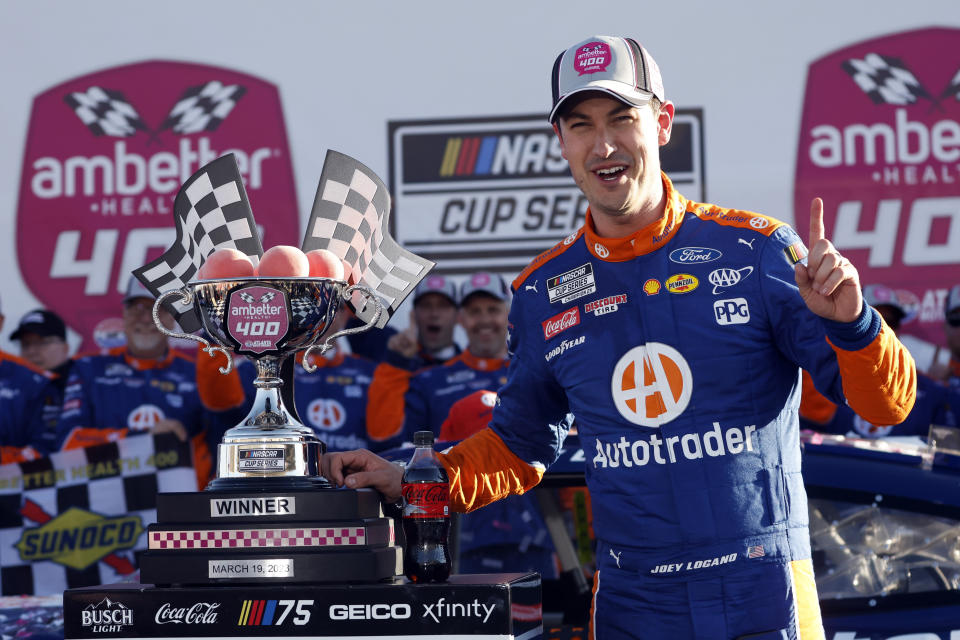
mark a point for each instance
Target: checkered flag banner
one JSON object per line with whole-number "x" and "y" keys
{"x": 106, "y": 112}
{"x": 350, "y": 217}
{"x": 203, "y": 108}
{"x": 79, "y": 518}
{"x": 211, "y": 212}
{"x": 885, "y": 80}
{"x": 953, "y": 89}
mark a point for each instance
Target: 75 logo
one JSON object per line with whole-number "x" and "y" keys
{"x": 274, "y": 612}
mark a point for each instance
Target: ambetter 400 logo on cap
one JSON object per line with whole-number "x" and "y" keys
{"x": 105, "y": 156}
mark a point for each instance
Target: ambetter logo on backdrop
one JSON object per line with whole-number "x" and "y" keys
{"x": 880, "y": 142}
{"x": 105, "y": 155}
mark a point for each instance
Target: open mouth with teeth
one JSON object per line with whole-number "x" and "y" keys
{"x": 609, "y": 174}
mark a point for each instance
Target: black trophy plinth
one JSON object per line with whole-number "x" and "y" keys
{"x": 288, "y": 536}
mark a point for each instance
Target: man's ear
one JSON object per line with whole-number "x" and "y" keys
{"x": 563, "y": 150}
{"x": 665, "y": 122}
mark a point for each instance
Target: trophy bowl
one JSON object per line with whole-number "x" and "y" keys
{"x": 268, "y": 320}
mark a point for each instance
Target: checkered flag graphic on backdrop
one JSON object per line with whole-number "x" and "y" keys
{"x": 82, "y": 489}
{"x": 203, "y": 108}
{"x": 350, "y": 217}
{"x": 105, "y": 112}
{"x": 211, "y": 212}
{"x": 953, "y": 89}
{"x": 885, "y": 80}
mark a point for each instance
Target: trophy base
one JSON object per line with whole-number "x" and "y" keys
{"x": 283, "y": 483}
{"x": 267, "y": 505}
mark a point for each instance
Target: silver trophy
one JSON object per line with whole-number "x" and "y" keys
{"x": 268, "y": 320}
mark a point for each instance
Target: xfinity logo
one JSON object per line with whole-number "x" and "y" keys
{"x": 732, "y": 311}
{"x": 443, "y": 609}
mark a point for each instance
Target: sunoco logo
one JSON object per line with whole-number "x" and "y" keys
{"x": 885, "y": 157}
{"x": 105, "y": 156}
{"x": 492, "y": 193}
{"x": 107, "y": 616}
{"x": 76, "y": 538}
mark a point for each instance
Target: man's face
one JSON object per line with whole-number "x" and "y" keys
{"x": 435, "y": 316}
{"x": 951, "y": 327}
{"x": 46, "y": 352}
{"x": 143, "y": 337}
{"x": 484, "y": 319}
{"x": 614, "y": 152}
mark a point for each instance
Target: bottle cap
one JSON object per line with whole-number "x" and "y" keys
{"x": 422, "y": 438}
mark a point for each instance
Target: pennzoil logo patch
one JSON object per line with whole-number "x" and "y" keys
{"x": 682, "y": 283}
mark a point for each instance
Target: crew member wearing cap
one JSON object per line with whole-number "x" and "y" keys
{"x": 675, "y": 332}
{"x": 142, "y": 387}
{"x": 401, "y": 403}
{"x": 933, "y": 404}
{"x": 43, "y": 343}
{"x": 24, "y": 389}
{"x": 428, "y": 339}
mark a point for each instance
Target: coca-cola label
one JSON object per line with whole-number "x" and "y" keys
{"x": 104, "y": 157}
{"x": 426, "y": 500}
{"x": 257, "y": 318}
{"x": 198, "y": 613}
{"x": 560, "y": 322}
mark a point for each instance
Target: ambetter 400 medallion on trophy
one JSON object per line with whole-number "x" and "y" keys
{"x": 269, "y": 516}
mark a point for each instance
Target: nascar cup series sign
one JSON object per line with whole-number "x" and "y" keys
{"x": 492, "y": 193}
{"x": 880, "y": 143}
{"x": 105, "y": 155}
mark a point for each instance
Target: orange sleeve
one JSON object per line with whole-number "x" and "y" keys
{"x": 880, "y": 380}
{"x": 10, "y": 454}
{"x": 482, "y": 470}
{"x": 385, "y": 403}
{"x": 218, "y": 391}
{"x": 814, "y": 406}
{"x": 202, "y": 460}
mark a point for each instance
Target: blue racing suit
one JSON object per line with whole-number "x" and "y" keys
{"x": 678, "y": 350}
{"x": 23, "y": 393}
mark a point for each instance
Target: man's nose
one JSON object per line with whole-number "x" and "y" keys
{"x": 603, "y": 144}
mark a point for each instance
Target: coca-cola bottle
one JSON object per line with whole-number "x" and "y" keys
{"x": 426, "y": 514}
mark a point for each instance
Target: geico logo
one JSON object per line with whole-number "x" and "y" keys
{"x": 399, "y": 611}
{"x": 106, "y": 534}
{"x": 907, "y": 142}
{"x": 99, "y": 616}
{"x": 691, "y": 446}
{"x": 131, "y": 173}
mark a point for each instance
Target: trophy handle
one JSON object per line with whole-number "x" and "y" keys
{"x": 328, "y": 343}
{"x": 186, "y": 297}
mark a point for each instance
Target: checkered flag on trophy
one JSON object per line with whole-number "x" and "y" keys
{"x": 203, "y": 108}
{"x": 105, "y": 112}
{"x": 211, "y": 212}
{"x": 885, "y": 80}
{"x": 350, "y": 217}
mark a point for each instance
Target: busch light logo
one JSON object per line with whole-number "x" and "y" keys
{"x": 107, "y": 616}
{"x": 883, "y": 153}
{"x": 105, "y": 155}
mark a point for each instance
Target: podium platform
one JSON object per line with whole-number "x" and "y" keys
{"x": 481, "y": 606}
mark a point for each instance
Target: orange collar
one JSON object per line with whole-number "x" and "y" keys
{"x": 142, "y": 364}
{"x": 643, "y": 241}
{"x": 481, "y": 364}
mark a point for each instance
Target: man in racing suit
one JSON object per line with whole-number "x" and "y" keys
{"x": 674, "y": 332}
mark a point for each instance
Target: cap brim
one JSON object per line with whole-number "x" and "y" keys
{"x": 610, "y": 87}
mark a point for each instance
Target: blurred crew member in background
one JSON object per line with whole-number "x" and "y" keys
{"x": 401, "y": 403}
{"x": 428, "y": 339}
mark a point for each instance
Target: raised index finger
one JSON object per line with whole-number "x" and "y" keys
{"x": 816, "y": 222}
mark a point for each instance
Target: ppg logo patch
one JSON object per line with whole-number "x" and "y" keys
{"x": 732, "y": 311}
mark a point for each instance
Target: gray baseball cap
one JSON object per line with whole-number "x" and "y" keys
{"x": 620, "y": 67}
